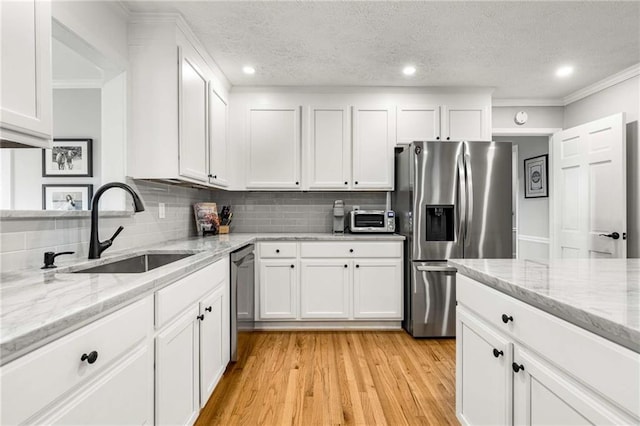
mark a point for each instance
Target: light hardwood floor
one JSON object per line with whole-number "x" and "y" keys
{"x": 335, "y": 378}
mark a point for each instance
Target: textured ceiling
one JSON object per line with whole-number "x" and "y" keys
{"x": 512, "y": 46}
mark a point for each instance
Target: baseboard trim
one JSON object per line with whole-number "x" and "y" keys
{"x": 327, "y": 325}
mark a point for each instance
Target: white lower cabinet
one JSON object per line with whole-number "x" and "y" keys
{"x": 192, "y": 349}
{"x": 177, "y": 371}
{"x": 278, "y": 289}
{"x": 341, "y": 280}
{"x": 516, "y": 364}
{"x": 377, "y": 288}
{"x": 324, "y": 288}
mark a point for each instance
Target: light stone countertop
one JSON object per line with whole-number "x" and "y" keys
{"x": 37, "y": 307}
{"x": 599, "y": 295}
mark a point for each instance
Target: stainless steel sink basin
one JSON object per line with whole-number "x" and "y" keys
{"x": 135, "y": 265}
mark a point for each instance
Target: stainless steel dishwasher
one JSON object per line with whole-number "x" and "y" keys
{"x": 242, "y": 295}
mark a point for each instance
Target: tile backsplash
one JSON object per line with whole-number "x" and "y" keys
{"x": 23, "y": 240}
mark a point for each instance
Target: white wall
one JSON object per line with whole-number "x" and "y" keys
{"x": 623, "y": 97}
{"x": 533, "y": 213}
{"x": 549, "y": 117}
{"x": 76, "y": 114}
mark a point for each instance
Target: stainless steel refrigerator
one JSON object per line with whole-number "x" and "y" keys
{"x": 452, "y": 201}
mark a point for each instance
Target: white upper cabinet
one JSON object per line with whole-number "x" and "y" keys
{"x": 373, "y": 132}
{"x": 273, "y": 136}
{"x": 172, "y": 82}
{"x": 465, "y": 123}
{"x": 328, "y": 154}
{"x": 218, "y": 139}
{"x": 193, "y": 117}
{"x": 25, "y": 73}
{"x": 417, "y": 123}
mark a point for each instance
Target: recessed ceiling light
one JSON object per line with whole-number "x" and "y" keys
{"x": 409, "y": 70}
{"x": 564, "y": 71}
{"x": 248, "y": 70}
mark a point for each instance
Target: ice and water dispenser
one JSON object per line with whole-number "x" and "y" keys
{"x": 440, "y": 223}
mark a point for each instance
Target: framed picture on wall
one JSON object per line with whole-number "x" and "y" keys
{"x": 68, "y": 157}
{"x": 536, "y": 175}
{"x": 66, "y": 197}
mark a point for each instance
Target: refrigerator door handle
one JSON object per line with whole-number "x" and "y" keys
{"x": 469, "y": 185}
{"x": 462, "y": 206}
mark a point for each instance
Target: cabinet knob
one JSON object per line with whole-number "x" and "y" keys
{"x": 200, "y": 317}
{"x": 497, "y": 353}
{"x": 346, "y": 183}
{"x": 357, "y": 266}
{"x": 297, "y": 183}
{"x": 277, "y": 250}
{"x": 356, "y": 182}
{"x": 346, "y": 266}
{"x": 208, "y": 309}
{"x": 210, "y": 175}
{"x": 91, "y": 358}
{"x": 215, "y": 176}
{"x": 437, "y": 138}
{"x": 506, "y": 319}
{"x": 517, "y": 367}
{"x": 448, "y": 138}
{"x": 350, "y": 250}
{"x": 292, "y": 266}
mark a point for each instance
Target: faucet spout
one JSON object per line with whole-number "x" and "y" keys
{"x": 96, "y": 247}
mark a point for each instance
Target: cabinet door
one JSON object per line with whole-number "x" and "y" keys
{"x": 25, "y": 80}
{"x": 218, "y": 140}
{"x": 193, "y": 118}
{"x": 124, "y": 396}
{"x": 213, "y": 325}
{"x": 329, "y": 147}
{"x": 278, "y": 285}
{"x": 543, "y": 396}
{"x": 483, "y": 373}
{"x": 377, "y": 288}
{"x": 373, "y": 134}
{"x": 417, "y": 123}
{"x": 324, "y": 288}
{"x": 465, "y": 123}
{"x": 273, "y": 142}
{"x": 177, "y": 371}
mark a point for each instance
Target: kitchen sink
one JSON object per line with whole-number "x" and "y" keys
{"x": 136, "y": 264}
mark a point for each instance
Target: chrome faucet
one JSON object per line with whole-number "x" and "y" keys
{"x": 96, "y": 247}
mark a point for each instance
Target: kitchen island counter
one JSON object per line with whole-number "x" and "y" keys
{"x": 599, "y": 295}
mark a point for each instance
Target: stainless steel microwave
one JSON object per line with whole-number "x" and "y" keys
{"x": 361, "y": 221}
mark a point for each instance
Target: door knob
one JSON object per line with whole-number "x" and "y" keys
{"x": 613, "y": 235}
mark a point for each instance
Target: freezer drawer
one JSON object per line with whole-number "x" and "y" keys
{"x": 433, "y": 300}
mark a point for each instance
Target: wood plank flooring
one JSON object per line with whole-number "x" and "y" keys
{"x": 336, "y": 378}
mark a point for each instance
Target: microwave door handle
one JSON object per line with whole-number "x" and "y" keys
{"x": 462, "y": 198}
{"x": 469, "y": 183}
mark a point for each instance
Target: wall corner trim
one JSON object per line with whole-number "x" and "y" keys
{"x": 612, "y": 80}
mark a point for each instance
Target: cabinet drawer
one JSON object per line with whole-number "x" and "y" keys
{"x": 277, "y": 250}
{"x": 34, "y": 381}
{"x": 349, "y": 249}
{"x": 177, "y": 297}
{"x": 608, "y": 368}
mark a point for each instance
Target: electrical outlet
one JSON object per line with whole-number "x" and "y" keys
{"x": 356, "y": 207}
{"x": 161, "y": 211}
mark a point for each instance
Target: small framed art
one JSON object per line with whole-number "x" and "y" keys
{"x": 68, "y": 157}
{"x": 66, "y": 197}
{"x": 536, "y": 174}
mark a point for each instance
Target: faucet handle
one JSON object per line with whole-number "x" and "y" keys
{"x": 50, "y": 257}
{"x": 115, "y": 234}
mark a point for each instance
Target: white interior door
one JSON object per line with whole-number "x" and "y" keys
{"x": 590, "y": 186}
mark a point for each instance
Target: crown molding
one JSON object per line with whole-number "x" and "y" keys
{"x": 518, "y": 102}
{"x": 612, "y": 80}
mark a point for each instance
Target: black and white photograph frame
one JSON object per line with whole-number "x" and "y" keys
{"x": 68, "y": 158}
{"x": 66, "y": 197}
{"x": 536, "y": 177}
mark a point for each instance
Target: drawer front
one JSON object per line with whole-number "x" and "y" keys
{"x": 347, "y": 249}
{"x": 172, "y": 300}
{"x": 278, "y": 250}
{"x": 608, "y": 368}
{"x": 34, "y": 381}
